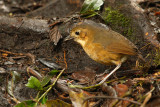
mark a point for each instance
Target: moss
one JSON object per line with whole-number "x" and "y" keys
{"x": 118, "y": 21}
{"x": 156, "y": 59}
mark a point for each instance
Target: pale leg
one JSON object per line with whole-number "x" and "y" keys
{"x": 115, "y": 69}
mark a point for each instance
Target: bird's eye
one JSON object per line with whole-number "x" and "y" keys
{"x": 77, "y": 32}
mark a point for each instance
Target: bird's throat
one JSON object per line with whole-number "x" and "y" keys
{"x": 82, "y": 42}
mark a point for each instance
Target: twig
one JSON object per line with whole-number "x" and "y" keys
{"x": 8, "y": 52}
{"x": 111, "y": 97}
{"x": 15, "y": 100}
{"x": 148, "y": 96}
{"x": 93, "y": 86}
{"x": 50, "y": 86}
{"x": 82, "y": 87}
{"x": 65, "y": 59}
{"x": 34, "y": 72}
{"x": 53, "y": 24}
{"x": 21, "y": 54}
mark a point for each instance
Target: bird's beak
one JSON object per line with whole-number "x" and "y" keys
{"x": 68, "y": 38}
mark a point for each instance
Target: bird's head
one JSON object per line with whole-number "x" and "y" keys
{"x": 80, "y": 33}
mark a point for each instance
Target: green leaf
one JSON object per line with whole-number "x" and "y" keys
{"x": 90, "y": 14}
{"x": 34, "y": 83}
{"x": 91, "y": 5}
{"x": 45, "y": 80}
{"x": 53, "y": 72}
{"x": 43, "y": 100}
{"x": 28, "y": 103}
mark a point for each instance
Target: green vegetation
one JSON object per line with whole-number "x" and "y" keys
{"x": 156, "y": 59}
{"x": 41, "y": 87}
{"x": 90, "y": 8}
{"x": 118, "y": 21}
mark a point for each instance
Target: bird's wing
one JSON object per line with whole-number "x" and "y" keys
{"x": 115, "y": 42}
{"x": 122, "y": 45}
{"x": 121, "y": 48}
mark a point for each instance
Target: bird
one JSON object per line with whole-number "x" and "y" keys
{"x": 103, "y": 45}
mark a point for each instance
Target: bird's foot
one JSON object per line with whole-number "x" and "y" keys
{"x": 101, "y": 74}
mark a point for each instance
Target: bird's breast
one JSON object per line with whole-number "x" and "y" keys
{"x": 98, "y": 53}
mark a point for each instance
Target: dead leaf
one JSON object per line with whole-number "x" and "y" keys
{"x": 55, "y": 35}
{"x": 85, "y": 76}
{"x": 78, "y": 98}
{"x": 111, "y": 92}
{"x": 121, "y": 89}
{"x": 124, "y": 103}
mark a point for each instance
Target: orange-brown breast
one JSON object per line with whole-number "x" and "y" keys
{"x": 98, "y": 53}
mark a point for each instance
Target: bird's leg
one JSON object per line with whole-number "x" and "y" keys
{"x": 115, "y": 69}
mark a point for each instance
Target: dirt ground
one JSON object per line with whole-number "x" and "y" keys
{"x": 19, "y": 50}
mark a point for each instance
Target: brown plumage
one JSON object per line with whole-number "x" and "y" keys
{"x": 103, "y": 45}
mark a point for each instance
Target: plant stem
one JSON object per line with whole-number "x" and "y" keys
{"x": 50, "y": 86}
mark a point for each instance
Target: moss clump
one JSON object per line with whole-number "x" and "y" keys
{"x": 156, "y": 59}
{"x": 117, "y": 21}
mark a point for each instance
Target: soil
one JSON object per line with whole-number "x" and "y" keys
{"x": 40, "y": 46}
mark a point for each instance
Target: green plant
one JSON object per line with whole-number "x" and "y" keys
{"x": 117, "y": 21}
{"x": 34, "y": 83}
